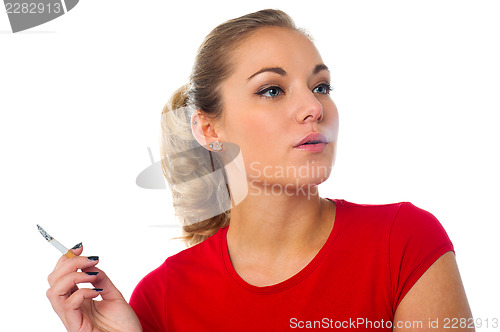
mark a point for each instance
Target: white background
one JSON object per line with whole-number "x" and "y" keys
{"x": 416, "y": 84}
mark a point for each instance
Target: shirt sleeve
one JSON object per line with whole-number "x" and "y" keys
{"x": 417, "y": 239}
{"x": 148, "y": 300}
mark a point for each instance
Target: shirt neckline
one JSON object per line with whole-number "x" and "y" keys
{"x": 299, "y": 276}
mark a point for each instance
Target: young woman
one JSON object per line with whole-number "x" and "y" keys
{"x": 268, "y": 253}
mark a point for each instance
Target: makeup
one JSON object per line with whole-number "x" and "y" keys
{"x": 312, "y": 147}
{"x": 55, "y": 243}
{"x": 314, "y": 142}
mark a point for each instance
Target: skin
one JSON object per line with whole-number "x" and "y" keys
{"x": 271, "y": 237}
{"x": 437, "y": 295}
{"x": 76, "y": 307}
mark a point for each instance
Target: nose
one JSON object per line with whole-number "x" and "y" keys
{"x": 309, "y": 108}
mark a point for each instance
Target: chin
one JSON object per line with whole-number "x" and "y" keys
{"x": 311, "y": 181}
{"x": 303, "y": 181}
{"x": 314, "y": 171}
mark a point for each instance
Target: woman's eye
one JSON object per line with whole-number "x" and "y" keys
{"x": 323, "y": 88}
{"x": 271, "y": 92}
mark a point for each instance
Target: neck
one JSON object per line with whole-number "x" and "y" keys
{"x": 274, "y": 235}
{"x": 274, "y": 227}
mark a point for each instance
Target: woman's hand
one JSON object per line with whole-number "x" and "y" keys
{"x": 76, "y": 307}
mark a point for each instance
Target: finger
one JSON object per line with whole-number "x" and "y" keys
{"x": 109, "y": 291}
{"x": 74, "y": 317}
{"x": 77, "y": 250}
{"x": 71, "y": 265}
{"x": 71, "y": 253}
{"x": 66, "y": 286}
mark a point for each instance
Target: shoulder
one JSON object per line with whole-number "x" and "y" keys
{"x": 414, "y": 225}
{"x": 177, "y": 270}
{"x": 199, "y": 255}
{"x": 399, "y": 217}
{"x": 370, "y": 220}
{"x": 195, "y": 259}
{"x": 420, "y": 258}
{"x": 372, "y": 211}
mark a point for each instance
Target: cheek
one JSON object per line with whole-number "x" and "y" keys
{"x": 260, "y": 140}
{"x": 259, "y": 136}
{"x": 252, "y": 128}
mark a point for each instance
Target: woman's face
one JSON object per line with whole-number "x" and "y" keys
{"x": 278, "y": 94}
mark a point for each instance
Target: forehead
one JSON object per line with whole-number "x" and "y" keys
{"x": 276, "y": 46}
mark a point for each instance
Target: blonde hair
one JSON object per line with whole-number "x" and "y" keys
{"x": 212, "y": 66}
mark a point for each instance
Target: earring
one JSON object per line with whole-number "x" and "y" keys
{"x": 216, "y": 146}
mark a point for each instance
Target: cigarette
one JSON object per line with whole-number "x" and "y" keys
{"x": 68, "y": 253}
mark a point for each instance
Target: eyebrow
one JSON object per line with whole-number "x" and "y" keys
{"x": 282, "y": 72}
{"x": 319, "y": 68}
{"x": 277, "y": 70}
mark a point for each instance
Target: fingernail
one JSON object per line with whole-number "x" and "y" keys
{"x": 93, "y": 258}
{"x": 92, "y": 273}
{"x": 97, "y": 289}
{"x": 77, "y": 246}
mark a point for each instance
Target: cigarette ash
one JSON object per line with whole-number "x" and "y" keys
{"x": 44, "y": 233}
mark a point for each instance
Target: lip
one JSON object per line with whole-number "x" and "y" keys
{"x": 320, "y": 139}
{"x": 318, "y": 147}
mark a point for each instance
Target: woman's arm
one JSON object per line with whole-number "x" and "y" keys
{"x": 437, "y": 300}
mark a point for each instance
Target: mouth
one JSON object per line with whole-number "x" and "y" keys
{"x": 312, "y": 147}
{"x": 313, "y": 142}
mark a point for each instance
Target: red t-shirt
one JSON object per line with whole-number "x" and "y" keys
{"x": 372, "y": 257}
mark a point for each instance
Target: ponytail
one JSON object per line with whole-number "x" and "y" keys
{"x": 201, "y": 195}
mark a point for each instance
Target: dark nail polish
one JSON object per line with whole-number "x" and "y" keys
{"x": 77, "y": 246}
{"x": 93, "y": 258}
{"x": 97, "y": 289}
{"x": 92, "y": 273}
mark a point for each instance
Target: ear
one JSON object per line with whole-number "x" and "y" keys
{"x": 203, "y": 129}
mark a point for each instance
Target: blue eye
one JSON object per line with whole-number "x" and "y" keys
{"x": 323, "y": 88}
{"x": 271, "y": 92}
